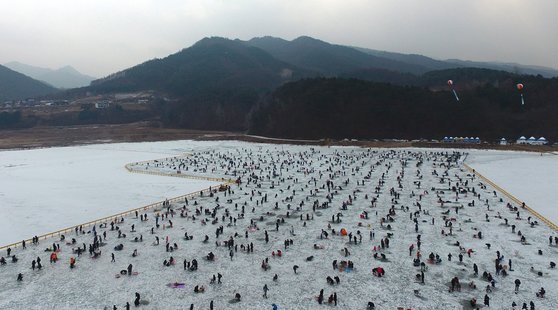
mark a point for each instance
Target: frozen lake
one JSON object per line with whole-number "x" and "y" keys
{"x": 44, "y": 190}
{"x": 287, "y": 193}
{"x": 530, "y": 177}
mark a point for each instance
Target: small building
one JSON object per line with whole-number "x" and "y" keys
{"x": 541, "y": 141}
{"x": 461, "y": 140}
{"x": 58, "y": 103}
{"x": 102, "y": 104}
{"x": 532, "y": 141}
{"x": 503, "y": 141}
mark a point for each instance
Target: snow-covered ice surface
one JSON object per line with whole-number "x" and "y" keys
{"x": 288, "y": 183}
{"x": 530, "y": 177}
{"x": 45, "y": 190}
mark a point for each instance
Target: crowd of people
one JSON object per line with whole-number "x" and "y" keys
{"x": 297, "y": 210}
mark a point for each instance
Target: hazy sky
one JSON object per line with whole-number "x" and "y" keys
{"x": 99, "y": 37}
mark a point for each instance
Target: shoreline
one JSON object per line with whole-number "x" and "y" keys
{"x": 61, "y": 136}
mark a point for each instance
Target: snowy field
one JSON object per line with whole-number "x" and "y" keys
{"x": 530, "y": 177}
{"x": 45, "y": 190}
{"x": 301, "y": 194}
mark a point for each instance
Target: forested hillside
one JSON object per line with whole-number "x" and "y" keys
{"x": 14, "y": 85}
{"x": 349, "y": 108}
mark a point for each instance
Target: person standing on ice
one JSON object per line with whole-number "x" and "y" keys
{"x": 130, "y": 269}
{"x": 137, "y": 300}
{"x": 265, "y": 289}
{"x": 321, "y": 296}
{"x": 517, "y": 283}
{"x": 486, "y": 300}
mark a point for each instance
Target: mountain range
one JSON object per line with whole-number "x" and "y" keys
{"x": 262, "y": 64}
{"x": 432, "y": 64}
{"x": 14, "y": 85}
{"x": 64, "y": 77}
{"x": 310, "y": 88}
{"x": 210, "y": 64}
{"x": 328, "y": 59}
{"x": 332, "y": 59}
{"x": 191, "y": 70}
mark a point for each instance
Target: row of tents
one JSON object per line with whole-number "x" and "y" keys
{"x": 503, "y": 141}
{"x": 531, "y": 141}
{"x": 461, "y": 140}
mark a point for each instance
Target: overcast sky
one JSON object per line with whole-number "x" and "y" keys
{"x": 99, "y": 37}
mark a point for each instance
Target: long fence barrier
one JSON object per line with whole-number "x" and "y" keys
{"x": 222, "y": 181}
{"x": 512, "y": 198}
{"x": 179, "y": 174}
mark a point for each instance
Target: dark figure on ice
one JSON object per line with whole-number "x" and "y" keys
{"x": 321, "y": 297}
{"x": 541, "y": 293}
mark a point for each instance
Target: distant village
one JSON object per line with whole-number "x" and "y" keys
{"x": 99, "y": 102}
